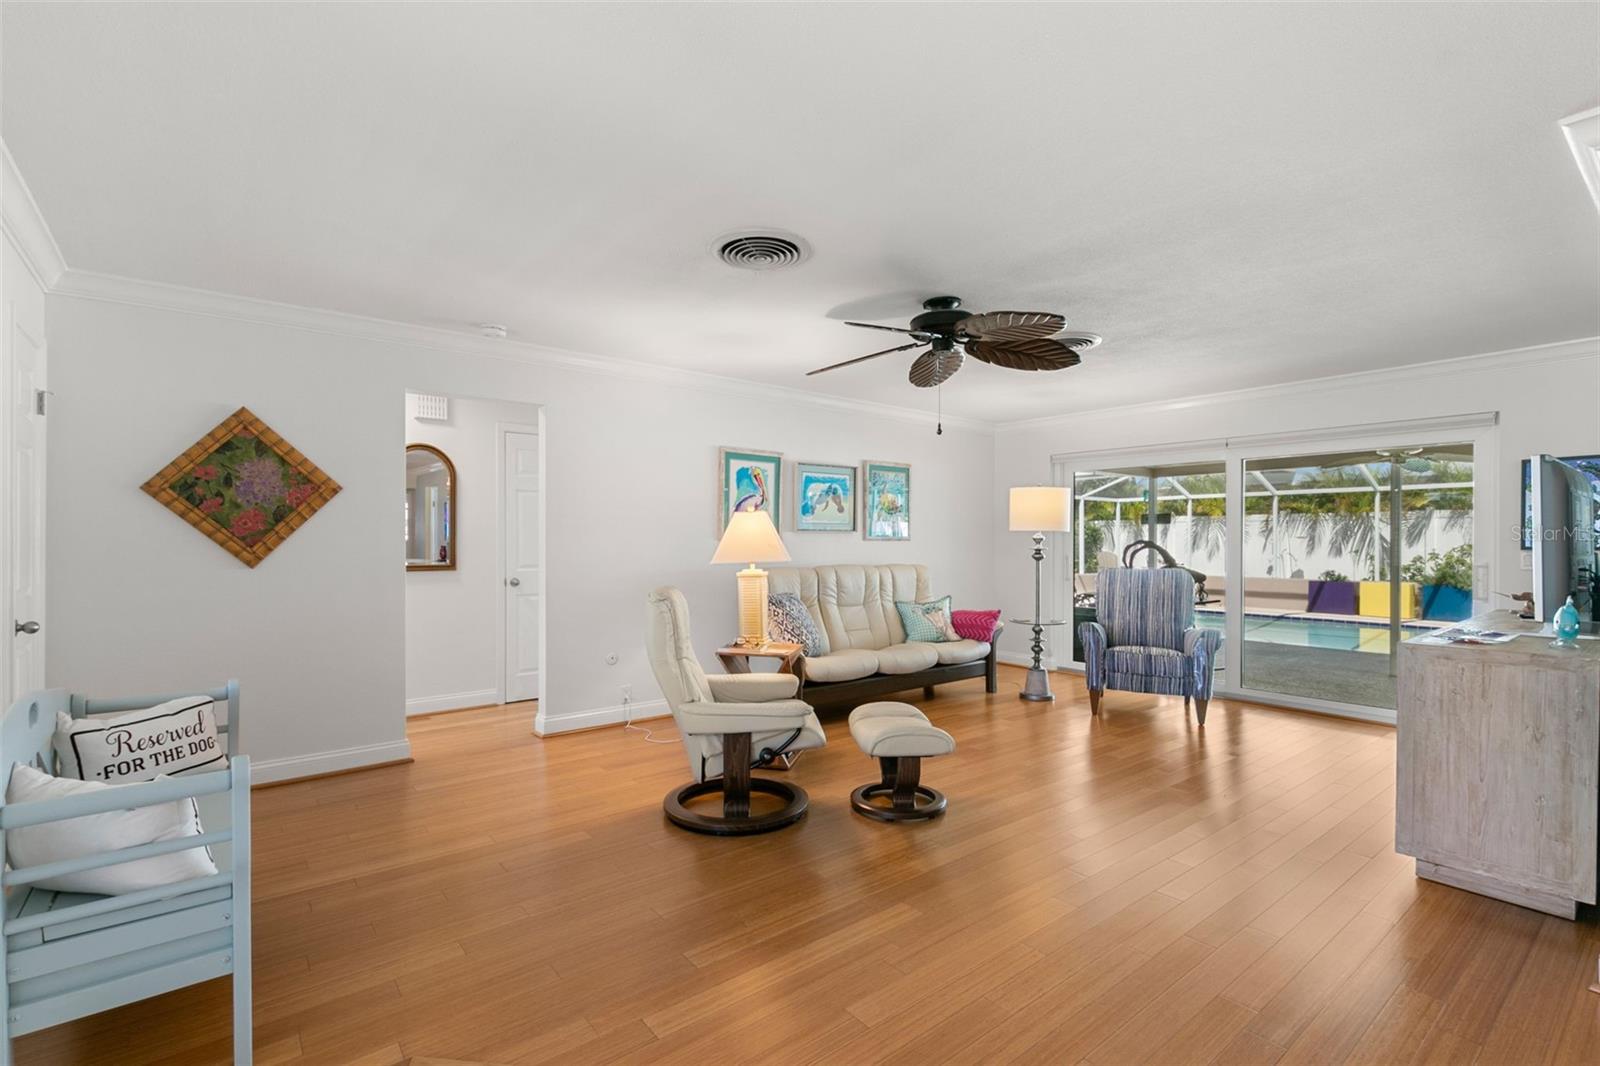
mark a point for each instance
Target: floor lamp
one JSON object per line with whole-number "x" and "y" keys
{"x": 1043, "y": 509}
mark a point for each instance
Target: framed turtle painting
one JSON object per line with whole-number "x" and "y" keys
{"x": 824, "y": 498}
{"x": 243, "y": 486}
{"x": 886, "y": 495}
{"x": 748, "y": 481}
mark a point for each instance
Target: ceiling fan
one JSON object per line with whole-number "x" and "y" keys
{"x": 1017, "y": 340}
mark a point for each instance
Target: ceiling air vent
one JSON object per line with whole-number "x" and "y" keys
{"x": 768, "y": 250}
{"x": 428, "y": 408}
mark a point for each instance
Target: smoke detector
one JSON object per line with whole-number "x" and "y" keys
{"x": 492, "y": 329}
{"x": 762, "y": 250}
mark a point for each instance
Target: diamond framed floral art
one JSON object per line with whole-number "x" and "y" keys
{"x": 243, "y": 486}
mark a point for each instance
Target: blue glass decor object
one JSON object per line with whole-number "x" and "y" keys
{"x": 1566, "y": 623}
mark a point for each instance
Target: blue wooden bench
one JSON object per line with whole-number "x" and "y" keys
{"x": 68, "y": 954}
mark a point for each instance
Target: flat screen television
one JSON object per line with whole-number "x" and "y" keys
{"x": 1565, "y": 538}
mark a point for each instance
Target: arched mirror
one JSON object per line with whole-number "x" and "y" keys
{"x": 430, "y": 509}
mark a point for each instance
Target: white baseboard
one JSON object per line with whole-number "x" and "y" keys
{"x": 547, "y": 725}
{"x": 264, "y": 771}
{"x": 452, "y": 701}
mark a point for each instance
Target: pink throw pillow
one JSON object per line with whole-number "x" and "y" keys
{"x": 975, "y": 625}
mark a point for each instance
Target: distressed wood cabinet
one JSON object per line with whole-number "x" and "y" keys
{"x": 1498, "y": 767}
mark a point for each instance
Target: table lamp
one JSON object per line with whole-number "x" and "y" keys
{"x": 1043, "y": 509}
{"x": 751, "y": 538}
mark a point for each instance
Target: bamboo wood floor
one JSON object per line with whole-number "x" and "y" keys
{"x": 1129, "y": 889}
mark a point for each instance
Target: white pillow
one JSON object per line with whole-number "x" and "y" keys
{"x": 94, "y": 834}
{"x": 176, "y": 737}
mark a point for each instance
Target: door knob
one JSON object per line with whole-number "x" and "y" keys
{"x": 514, "y": 582}
{"x": 28, "y": 627}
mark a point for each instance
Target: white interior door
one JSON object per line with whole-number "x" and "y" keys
{"x": 23, "y": 359}
{"x": 523, "y": 585}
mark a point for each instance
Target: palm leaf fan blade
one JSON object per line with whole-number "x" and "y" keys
{"x": 1003, "y": 327}
{"x": 935, "y": 368}
{"x": 1037, "y": 354}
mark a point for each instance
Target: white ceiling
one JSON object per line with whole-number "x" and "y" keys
{"x": 1233, "y": 195}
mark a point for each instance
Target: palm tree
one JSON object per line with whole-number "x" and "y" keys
{"x": 1208, "y": 534}
{"x": 1351, "y": 527}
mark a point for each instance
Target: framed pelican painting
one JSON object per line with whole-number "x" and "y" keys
{"x": 824, "y": 498}
{"x": 748, "y": 481}
{"x": 886, "y": 492}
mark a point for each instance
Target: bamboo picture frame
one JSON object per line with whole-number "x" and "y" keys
{"x": 243, "y": 486}
{"x": 885, "y": 500}
{"x": 819, "y": 488}
{"x": 752, "y": 475}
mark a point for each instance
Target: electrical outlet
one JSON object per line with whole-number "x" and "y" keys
{"x": 627, "y": 693}
{"x": 1527, "y": 560}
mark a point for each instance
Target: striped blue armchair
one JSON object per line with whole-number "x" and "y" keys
{"x": 1145, "y": 639}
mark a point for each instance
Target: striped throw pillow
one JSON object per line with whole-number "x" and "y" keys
{"x": 975, "y": 625}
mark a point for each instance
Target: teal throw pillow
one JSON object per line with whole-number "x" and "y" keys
{"x": 928, "y": 622}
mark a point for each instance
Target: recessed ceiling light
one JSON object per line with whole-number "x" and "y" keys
{"x": 766, "y": 249}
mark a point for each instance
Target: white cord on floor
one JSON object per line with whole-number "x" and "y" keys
{"x": 628, "y": 726}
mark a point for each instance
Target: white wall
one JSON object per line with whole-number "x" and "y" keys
{"x": 454, "y": 617}
{"x": 1547, "y": 401}
{"x": 316, "y": 633}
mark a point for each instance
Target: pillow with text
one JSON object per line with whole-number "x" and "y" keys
{"x": 176, "y": 737}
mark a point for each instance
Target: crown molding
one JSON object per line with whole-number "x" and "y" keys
{"x": 1583, "y": 137}
{"x": 1417, "y": 430}
{"x": 1512, "y": 358}
{"x": 25, "y": 226}
{"x": 110, "y": 288}
{"x": 27, "y": 230}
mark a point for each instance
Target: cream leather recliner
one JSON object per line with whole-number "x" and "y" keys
{"x": 729, "y": 723}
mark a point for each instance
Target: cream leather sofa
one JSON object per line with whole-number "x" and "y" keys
{"x": 865, "y": 648}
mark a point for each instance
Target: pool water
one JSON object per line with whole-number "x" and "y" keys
{"x": 1315, "y": 632}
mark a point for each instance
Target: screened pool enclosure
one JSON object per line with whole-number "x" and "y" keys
{"x": 1340, "y": 555}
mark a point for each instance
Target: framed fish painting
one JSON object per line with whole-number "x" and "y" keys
{"x": 886, "y": 494}
{"x": 748, "y": 481}
{"x": 824, "y": 498}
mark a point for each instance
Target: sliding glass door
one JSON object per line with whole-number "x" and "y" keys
{"x": 1180, "y": 508}
{"x": 1317, "y": 560}
{"x": 1346, "y": 554}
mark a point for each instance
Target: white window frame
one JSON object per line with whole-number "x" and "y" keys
{"x": 1480, "y": 429}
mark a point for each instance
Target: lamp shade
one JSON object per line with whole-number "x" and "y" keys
{"x": 1040, "y": 509}
{"x": 750, "y": 538}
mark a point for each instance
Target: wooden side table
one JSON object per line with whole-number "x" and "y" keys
{"x": 736, "y": 657}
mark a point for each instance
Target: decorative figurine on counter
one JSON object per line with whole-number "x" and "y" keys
{"x": 1566, "y": 624}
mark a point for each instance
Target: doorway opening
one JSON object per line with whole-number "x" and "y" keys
{"x": 473, "y": 516}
